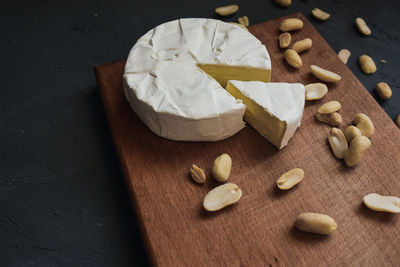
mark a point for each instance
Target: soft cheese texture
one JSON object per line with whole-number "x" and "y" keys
{"x": 175, "y": 73}
{"x": 273, "y": 109}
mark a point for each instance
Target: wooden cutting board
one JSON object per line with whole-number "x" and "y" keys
{"x": 257, "y": 231}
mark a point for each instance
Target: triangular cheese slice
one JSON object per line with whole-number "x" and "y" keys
{"x": 272, "y": 109}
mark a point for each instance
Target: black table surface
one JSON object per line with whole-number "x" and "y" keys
{"x": 63, "y": 201}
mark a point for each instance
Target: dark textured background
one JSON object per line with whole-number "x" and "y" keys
{"x": 62, "y": 197}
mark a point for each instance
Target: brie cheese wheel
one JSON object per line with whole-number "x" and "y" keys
{"x": 176, "y": 73}
{"x": 272, "y": 109}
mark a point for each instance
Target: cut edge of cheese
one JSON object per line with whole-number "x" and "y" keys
{"x": 274, "y": 110}
{"x": 223, "y": 73}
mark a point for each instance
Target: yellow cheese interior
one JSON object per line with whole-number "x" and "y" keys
{"x": 223, "y": 73}
{"x": 261, "y": 120}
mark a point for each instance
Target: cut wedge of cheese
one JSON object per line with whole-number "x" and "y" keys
{"x": 176, "y": 73}
{"x": 224, "y": 73}
{"x": 272, "y": 109}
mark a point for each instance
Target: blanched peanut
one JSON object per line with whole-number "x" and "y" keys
{"x": 367, "y": 64}
{"x": 292, "y": 58}
{"x": 333, "y": 119}
{"x": 384, "y": 91}
{"x": 302, "y": 45}
{"x": 382, "y": 203}
{"x": 284, "y": 3}
{"x": 315, "y": 223}
{"x": 351, "y": 132}
{"x": 319, "y": 14}
{"x": 244, "y": 21}
{"x": 291, "y": 25}
{"x": 324, "y": 75}
{"x": 338, "y": 142}
{"x": 364, "y": 123}
{"x": 315, "y": 91}
{"x": 330, "y": 107}
{"x": 356, "y": 150}
{"x": 284, "y": 40}
{"x": 362, "y": 26}
{"x": 222, "y": 196}
{"x": 197, "y": 174}
{"x": 227, "y": 10}
{"x": 290, "y": 179}
{"x": 344, "y": 55}
{"x": 222, "y": 168}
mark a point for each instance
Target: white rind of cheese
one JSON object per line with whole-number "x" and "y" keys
{"x": 285, "y": 101}
{"x": 175, "y": 98}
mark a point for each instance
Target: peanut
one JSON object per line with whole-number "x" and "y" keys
{"x": 351, "y": 132}
{"x": 384, "y": 91}
{"x": 284, "y": 3}
{"x": 362, "y": 26}
{"x": 344, "y": 55}
{"x": 197, "y": 174}
{"x": 291, "y": 25}
{"x": 292, "y": 58}
{"x": 333, "y": 119}
{"x": 319, "y": 14}
{"x": 222, "y": 168}
{"x": 364, "y": 123}
{"x": 302, "y": 45}
{"x": 227, "y": 10}
{"x": 315, "y": 223}
{"x": 222, "y": 196}
{"x": 330, "y": 107}
{"x": 284, "y": 40}
{"x": 367, "y": 64}
{"x": 382, "y": 203}
{"x": 338, "y": 142}
{"x": 356, "y": 150}
{"x": 290, "y": 179}
{"x": 324, "y": 75}
{"x": 244, "y": 21}
{"x": 316, "y": 91}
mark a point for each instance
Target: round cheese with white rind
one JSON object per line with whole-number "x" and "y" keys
{"x": 176, "y": 73}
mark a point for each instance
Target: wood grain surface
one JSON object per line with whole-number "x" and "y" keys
{"x": 257, "y": 231}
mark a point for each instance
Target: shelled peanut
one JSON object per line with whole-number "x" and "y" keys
{"x": 293, "y": 58}
{"x": 303, "y": 45}
{"x": 344, "y": 55}
{"x": 315, "y": 91}
{"x": 227, "y": 10}
{"x": 319, "y": 14}
{"x": 324, "y": 75}
{"x": 284, "y": 40}
{"x": 367, "y": 64}
{"x": 362, "y": 26}
{"x": 315, "y": 223}
{"x": 328, "y": 113}
{"x": 378, "y": 202}
{"x": 283, "y": 3}
{"x": 383, "y": 90}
